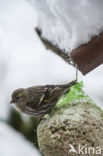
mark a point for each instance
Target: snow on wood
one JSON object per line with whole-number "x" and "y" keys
{"x": 69, "y": 23}
{"x": 54, "y": 48}
{"x": 87, "y": 57}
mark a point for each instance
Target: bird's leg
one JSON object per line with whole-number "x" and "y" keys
{"x": 40, "y": 119}
{"x": 43, "y": 117}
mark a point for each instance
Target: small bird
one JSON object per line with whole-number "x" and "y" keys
{"x": 39, "y": 100}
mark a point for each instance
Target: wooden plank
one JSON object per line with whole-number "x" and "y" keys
{"x": 89, "y": 56}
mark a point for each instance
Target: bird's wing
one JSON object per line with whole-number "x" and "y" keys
{"x": 51, "y": 94}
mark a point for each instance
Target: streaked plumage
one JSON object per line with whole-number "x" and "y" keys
{"x": 39, "y": 100}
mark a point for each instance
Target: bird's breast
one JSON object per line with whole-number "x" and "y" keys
{"x": 20, "y": 106}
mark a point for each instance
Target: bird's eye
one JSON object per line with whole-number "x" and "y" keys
{"x": 18, "y": 97}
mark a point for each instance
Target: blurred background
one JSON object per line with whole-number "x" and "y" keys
{"x": 25, "y": 62}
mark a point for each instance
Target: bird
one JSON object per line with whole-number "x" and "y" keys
{"x": 37, "y": 101}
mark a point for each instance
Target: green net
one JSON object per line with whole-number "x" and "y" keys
{"x": 75, "y": 94}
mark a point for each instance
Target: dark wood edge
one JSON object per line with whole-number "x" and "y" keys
{"x": 55, "y": 48}
{"x": 90, "y": 55}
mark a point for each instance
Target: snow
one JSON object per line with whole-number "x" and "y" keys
{"x": 69, "y": 23}
{"x": 14, "y": 144}
{"x": 25, "y": 62}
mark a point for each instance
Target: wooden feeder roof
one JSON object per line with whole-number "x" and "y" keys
{"x": 89, "y": 56}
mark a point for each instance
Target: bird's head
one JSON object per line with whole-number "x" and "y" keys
{"x": 19, "y": 96}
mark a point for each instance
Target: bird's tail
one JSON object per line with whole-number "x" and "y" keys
{"x": 70, "y": 84}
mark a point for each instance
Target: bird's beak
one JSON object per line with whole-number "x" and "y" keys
{"x": 11, "y": 102}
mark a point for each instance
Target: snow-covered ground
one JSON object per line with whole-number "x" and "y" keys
{"x": 24, "y": 61}
{"x": 13, "y": 144}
